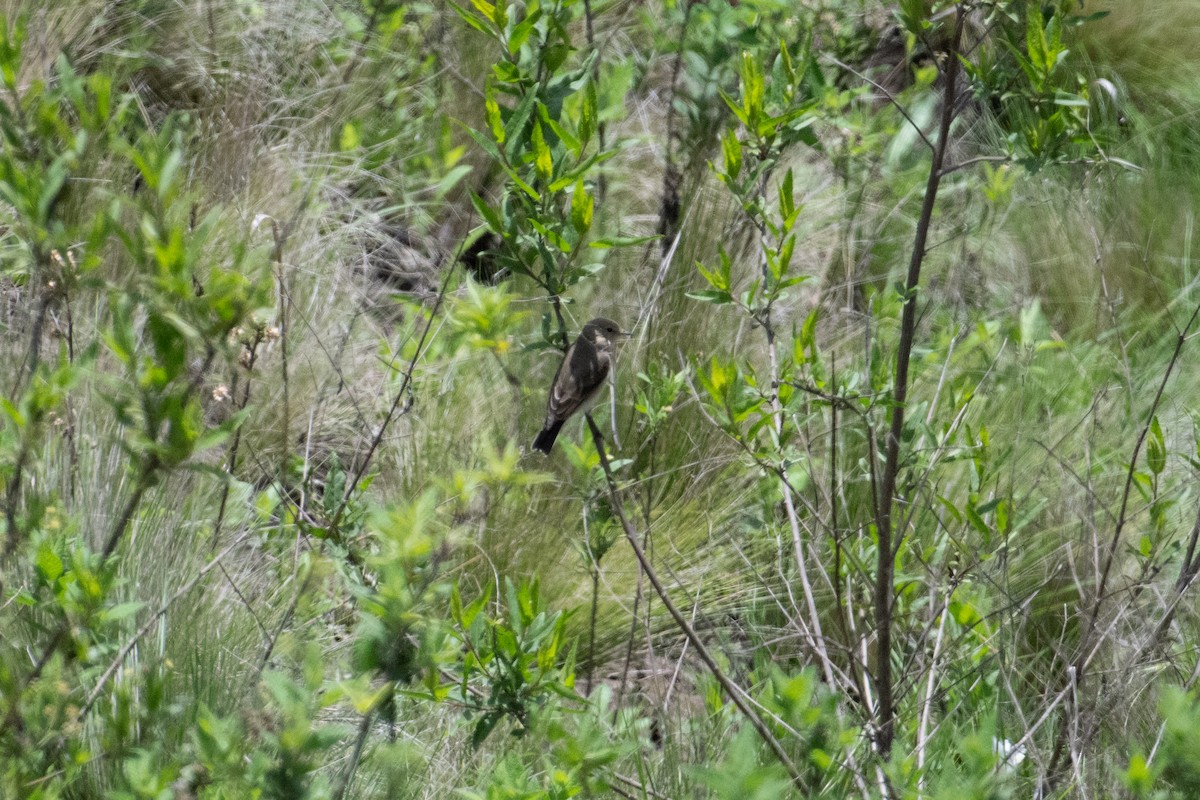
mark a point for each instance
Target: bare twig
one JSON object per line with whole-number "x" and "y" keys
{"x": 889, "y": 97}
{"x": 364, "y": 729}
{"x": 970, "y": 162}
{"x": 886, "y": 551}
{"x": 639, "y": 787}
{"x": 1087, "y": 648}
{"x": 402, "y": 394}
{"x": 149, "y": 624}
{"x": 736, "y": 694}
{"x": 927, "y": 700}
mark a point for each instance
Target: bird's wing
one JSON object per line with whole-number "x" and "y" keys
{"x": 582, "y": 371}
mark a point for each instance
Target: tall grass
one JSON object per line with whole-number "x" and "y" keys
{"x": 1055, "y": 313}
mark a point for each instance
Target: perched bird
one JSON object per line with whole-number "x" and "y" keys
{"x": 579, "y": 378}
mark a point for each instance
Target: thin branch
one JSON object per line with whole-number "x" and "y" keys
{"x": 1086, "y": 651}
{"x": 736, "y": 694}
{"x": 1122, "y": 514}
{"x": 889, "y": 97}
{"x": 639, "y": 787}
{"x": 927, "y": 702}
{"x": 886, "y": 552}
{"x": 401, "y": 394}
{"x": 145, "y": 629}
{"x": 364, "y": 729}
{"x": 970, "y": 162}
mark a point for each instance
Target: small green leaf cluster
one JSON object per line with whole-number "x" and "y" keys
{"x": 543, "y": 122}
{"x": 1043, "y": 99}
{"x": 712, "y": 40}
{"x": 399, "y": 138}
{"x": 771, "y": 117}
{"x": 170, "y": 315}
{"x": 484, "y": 317}
{"x": 513, "y": 665}
{"x": 167, "y": 303}
{"x": 659, "y": 390}
{"x": 494, "y": 667}
{"x": 1175, "y": 774}
{"x": 804, "y": 714}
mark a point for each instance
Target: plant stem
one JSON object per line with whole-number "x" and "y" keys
{"x": 591, "y": 668}
{"x": 364, "y": 729}
{"x": 141, "y": 632}
{"x": 888, "y": 541}
{"x": 736, "y": 694}
{"x": 1088, "y": 648}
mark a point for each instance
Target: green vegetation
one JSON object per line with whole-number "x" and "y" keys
{"x": 892, "y": 498}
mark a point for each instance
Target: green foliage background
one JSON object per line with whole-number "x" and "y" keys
{"x": 282, "y": 287}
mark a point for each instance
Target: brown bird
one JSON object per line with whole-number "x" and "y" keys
{"x": 579, "y": 378}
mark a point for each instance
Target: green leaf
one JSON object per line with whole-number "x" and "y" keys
{"x": 753, "y": 90}
{"x": 581, "y": 169}
{"x": 486, "y": 144}
{"x": 483, "y": 728}
{"x": 976, "y": 520}
{"x": 717, "y": 280}
{"x": 520, "y": 33}
{"x": 787, "y": 201}
{"x": 785, "y": 256}
{"x": 55, "y": 177}
{"x": 168, "y": 171}
{"x": 560, "y": 131}
{"x": 542, "y": 160}
{"x": 582, "y": 207}
{"x": 495, "y": 121}
{"x": 121, "y": 611}
{"x": 523, "y": 186}
{"x": 1070, "y": 100}
{"x": 1156, "y": 449}
{"x": 951, "y": 508}
{"x": 619, "y": 241}
{"x": 489, "y": 214}
{"x": 714, "y": 296}
{"x": 12, "y": 412}
{"x": 514, "y": 130}
{"x": 552, "y": 236}
{"x": 587, "y": 114}
{"x": 735, "y": 108}
{"x": 555, "y": 55}
{"x": 487, "y": 10}
{"x": 731, "y": 149}
{"x": 506, "y": 72}
{"x": 49, "y": 564}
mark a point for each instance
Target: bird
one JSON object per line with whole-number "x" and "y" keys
{"x": 579, "y": 378}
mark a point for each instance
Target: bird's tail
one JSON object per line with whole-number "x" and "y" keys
{"x": 545, "y": 439}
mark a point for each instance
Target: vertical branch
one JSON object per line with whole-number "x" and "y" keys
{"x": 12, "y": 495}
{"x": 818, "y": 636}
{"x": 926, "y": 704}
{"x": 602, "y": 125}
{"x": 591, "y": 668}
{"x": 398, "y": 405}
{"x": 364, "y": 730}
{"x": 285, "y": 301}
{"x": 368, "y": 32}
{"x": 633, "y": 625}
{"x": 668, "y": 212}
{"x": 1087, "y": 645}
{"x": 888, "y": 540}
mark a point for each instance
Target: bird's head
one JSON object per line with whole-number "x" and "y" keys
{"x": 602, "y": 332}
